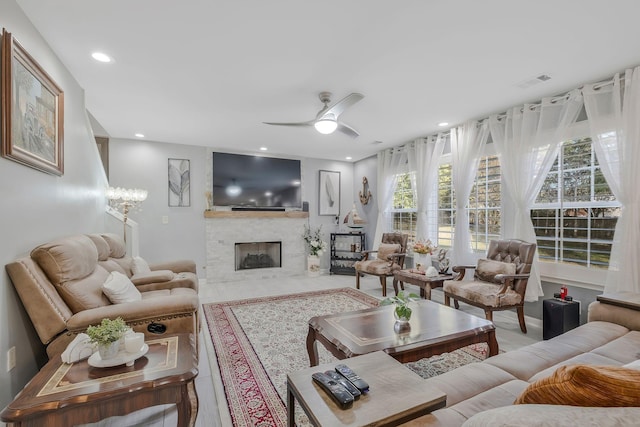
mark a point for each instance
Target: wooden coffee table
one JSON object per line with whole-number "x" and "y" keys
{"x": 396, "y": 395}
{"x": 424, "y": 282}
{"x": 64, "y": 394}
{"x": 435, "y": 329}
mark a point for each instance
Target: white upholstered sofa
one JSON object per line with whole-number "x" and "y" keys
{"x": 483, "y": 394}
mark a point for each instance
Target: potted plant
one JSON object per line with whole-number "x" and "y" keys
{"x": 422, "y": 252}
{"x": 107, "y": 336}
{"x": 316, "y": 247}
{"x": 402, "y": 311}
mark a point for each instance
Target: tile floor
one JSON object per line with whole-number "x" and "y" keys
{"x": 209, "y": 385}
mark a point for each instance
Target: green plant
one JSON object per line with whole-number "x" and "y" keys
{"x": 107, "y": 331}
{"x": 401, "y": 301}
{"x": 314, "y": 240}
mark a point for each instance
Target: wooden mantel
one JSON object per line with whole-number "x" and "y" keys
{"x": 256, "y": 214}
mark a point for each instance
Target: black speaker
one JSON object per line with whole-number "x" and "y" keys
{"x": 559, "y": 317}
{"x": 305, "y": 206}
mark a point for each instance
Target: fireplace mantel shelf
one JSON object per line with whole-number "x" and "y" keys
{"x": 256, "y": 214}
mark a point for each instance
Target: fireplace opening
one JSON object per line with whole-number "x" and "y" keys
{"x": 258, "y": 255}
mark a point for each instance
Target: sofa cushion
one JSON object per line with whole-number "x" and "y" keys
{"x": 139, "y": 266}
{"x": 554, "y": 416}
{"x": 101, "y": 245}
{"x": 117, "y": 246}
{"x": 386, "y": 249}
{"x": 586, "y": 385}
{"x": 119, "y": 289}
{"x": 68, "y": 258}
{"x": 86, "y": 293}
{"x": 482, "y": 293}
{"x": 488, "y": 269}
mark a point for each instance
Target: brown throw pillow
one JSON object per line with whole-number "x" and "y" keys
{"x": 488, "y": 269}
{"x": 584, "y": 385}
{"x": 386, "y": 249}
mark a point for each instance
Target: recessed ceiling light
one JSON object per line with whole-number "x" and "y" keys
{"x": 101, "y": 57}
{"x": 348, "y": 157}
{"x": 263, "y": 148}
{"x": 139, "y": 135}
{"x": 443, "y": 124}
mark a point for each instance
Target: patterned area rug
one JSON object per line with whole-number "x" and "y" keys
{"x": 257, "y": 341}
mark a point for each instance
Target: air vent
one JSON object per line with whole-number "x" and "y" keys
{"x": 534, "y": 81}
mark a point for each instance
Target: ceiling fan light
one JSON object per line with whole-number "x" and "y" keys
{"x": 325, "y": 126}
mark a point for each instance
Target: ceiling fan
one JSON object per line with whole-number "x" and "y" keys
{"x": 327, "y": 120}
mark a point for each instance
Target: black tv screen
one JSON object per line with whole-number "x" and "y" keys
{"x": 256, "y": 182}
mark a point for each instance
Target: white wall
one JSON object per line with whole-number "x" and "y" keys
{"x": 144, "y": 164}
{"x": 37, "y": 207}
{"x": 368, "y": 167}
{"x": 311, "y": 185}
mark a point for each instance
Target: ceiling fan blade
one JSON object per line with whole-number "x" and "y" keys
{"x": 347, "y": 130}
{"x": 310, "y": 123}
{"x": 346, "y": 102}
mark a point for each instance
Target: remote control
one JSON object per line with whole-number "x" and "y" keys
{"x": 344, "y": 383}
{"x": 346, "y": 372}
{"x": 338, "y": 393}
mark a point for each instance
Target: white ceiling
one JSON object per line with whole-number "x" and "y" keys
{"x": 209, "y": 72}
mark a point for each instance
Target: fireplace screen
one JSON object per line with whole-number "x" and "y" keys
{"x": 258, "y": 255}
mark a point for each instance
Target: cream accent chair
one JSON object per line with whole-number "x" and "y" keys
{"x": 500, "y": 280}
{"x": 60, "y": 285}
{"x": 390, "y": 257}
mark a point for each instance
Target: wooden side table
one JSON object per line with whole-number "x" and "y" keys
{"x": 64, "y": 394}
{"x": 424, "y": 282}
{"x": 396, "y": 395}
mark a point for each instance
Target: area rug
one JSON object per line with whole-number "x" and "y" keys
{"x": 258, "y": 341}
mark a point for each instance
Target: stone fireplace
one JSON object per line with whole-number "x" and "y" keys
{"x": 226, "y": 228}
{"x": 258, "y": 255}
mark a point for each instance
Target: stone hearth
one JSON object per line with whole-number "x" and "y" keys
{"x": 224, "y": 231}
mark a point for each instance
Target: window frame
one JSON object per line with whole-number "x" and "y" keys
{"x": 570, "y": 274}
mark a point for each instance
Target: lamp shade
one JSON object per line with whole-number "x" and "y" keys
{"x": 326, "y": 125}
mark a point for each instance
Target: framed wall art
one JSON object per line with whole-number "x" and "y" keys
{"x": 179, "y": 183}
{"x": 32, "y": 111}
{"x": 329, "y": 193}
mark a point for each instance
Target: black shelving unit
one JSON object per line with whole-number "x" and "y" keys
{"x": 346, "y": 249}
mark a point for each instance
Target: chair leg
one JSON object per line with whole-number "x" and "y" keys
{"x": 383, "y": 282}
{"x": 456, "y": 304}
{"x": 357, "y": 280}
{"x": 447, "y": 300}
{"x": 523, "y": 327}
{"x": 489, "y": 315}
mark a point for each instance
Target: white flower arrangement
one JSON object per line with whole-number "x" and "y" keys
{"x": 313, "y": 237}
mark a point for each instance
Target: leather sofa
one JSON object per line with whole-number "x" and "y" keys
{"x": 481, "y": 394}
{"x": 60, "y": 286}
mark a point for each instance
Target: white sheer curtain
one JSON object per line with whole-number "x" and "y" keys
{"x": 467, "y": 145}
{"x": 528, "y": 140}
{"x": 391, "y": 162}
{"x": 424, "y": 156}
{"x": 614, "y": 118}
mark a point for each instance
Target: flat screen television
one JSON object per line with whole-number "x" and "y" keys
{"x": 256, "y": 182}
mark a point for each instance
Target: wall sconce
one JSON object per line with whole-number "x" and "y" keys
{"x": 125, "y": 199}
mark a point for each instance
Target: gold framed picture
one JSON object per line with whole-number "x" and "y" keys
{"x": 32, "y": 111}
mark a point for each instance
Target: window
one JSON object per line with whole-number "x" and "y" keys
{"x": 404, "y": 208}
{"x": 483, "y": 208}
{"x": 575, "y": 213}
{"x": 484, "y": 204}
{"x": 446, "y": 207}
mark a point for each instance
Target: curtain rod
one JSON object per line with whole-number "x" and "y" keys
{"x": 556, "y": 98}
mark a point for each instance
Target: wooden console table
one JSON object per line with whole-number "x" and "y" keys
{"x": 64, "y": 394}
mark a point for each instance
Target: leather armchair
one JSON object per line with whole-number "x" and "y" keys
{"x": 390, "y": 257}
{"x": 500, "y": 280}
{"x": 60, "y": 286}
